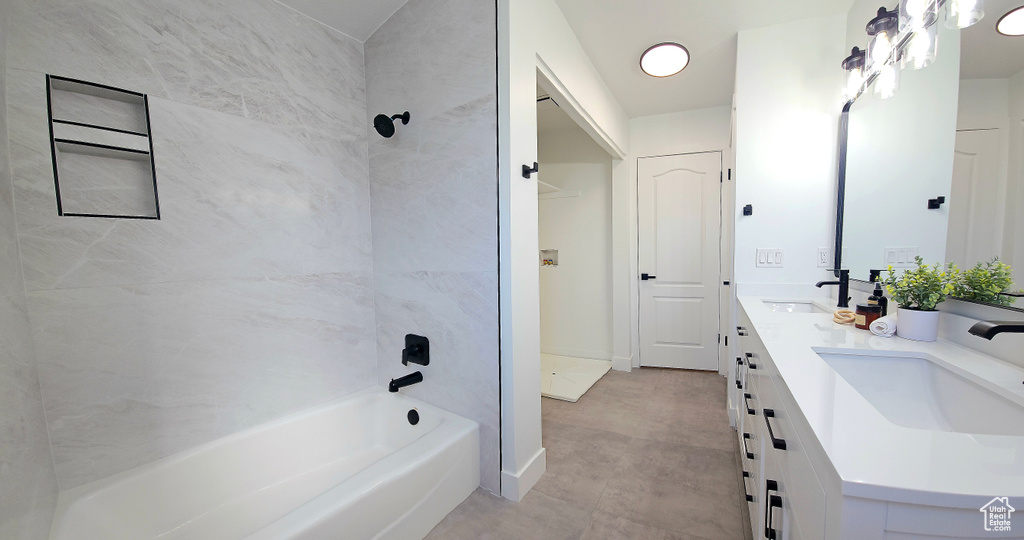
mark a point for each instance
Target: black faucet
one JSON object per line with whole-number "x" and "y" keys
{"x": 402, "y": 382}
{"x": 844, "y": 287}
{"x": 989, "y": 329}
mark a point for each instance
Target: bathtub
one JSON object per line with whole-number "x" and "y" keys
{"x": 353, "y": 468}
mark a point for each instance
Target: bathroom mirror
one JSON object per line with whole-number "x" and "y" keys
{"x": 936, "y": 169}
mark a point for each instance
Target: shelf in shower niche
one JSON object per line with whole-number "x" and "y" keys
{"x": 102, "y": 150}
{"x": 548, "y": 258}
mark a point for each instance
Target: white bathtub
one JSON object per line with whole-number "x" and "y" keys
{"x": 354, "y": 468}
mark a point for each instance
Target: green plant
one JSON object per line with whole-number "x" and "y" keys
{"x": 984, "y": 282}
{"x": 921, "y": 288}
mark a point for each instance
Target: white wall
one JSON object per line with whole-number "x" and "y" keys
{"x": 576, "y": 296}
{"x": 788, "y": 101}
{"x": 533, "y": 36}
{"x": 900, "y": 155}
{"x": 700, "y": 130}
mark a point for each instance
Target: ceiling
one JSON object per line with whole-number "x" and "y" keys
{"x": 356, "y": 18}
{"x": 987, "y": 54}
{"x": 552, "y": 119}
{"x": 615, "y": 32}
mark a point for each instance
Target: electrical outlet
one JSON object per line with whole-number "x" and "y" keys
{"x": 823, "y": 258}
{"x": 769, "y": 258}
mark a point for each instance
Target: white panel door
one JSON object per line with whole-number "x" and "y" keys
{"x": 976, "y": 198}
{"x": 679, "y": 211}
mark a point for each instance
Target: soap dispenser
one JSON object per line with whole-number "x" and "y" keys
{"x": 878, "y": 298}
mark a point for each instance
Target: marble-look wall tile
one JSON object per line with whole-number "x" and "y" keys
{"x": 238, "y": 198}
{"x": 434, "y": 197}
{"x": 434, "y": 192}
{"x": 458, "y": 312}
{"x": 28, "y": 486}
{"x": 252, "y": 296}
{"x": 256, "y": 59}
{"x": 137, "y": 372}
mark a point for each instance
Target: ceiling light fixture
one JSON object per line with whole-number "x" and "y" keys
{"x": 664, "y": 59}
{"x": 1012, "y": 24}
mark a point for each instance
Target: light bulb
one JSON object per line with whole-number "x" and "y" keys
{"x": 916, "y": 14}
{"x": 879, "y": 51}
{"x": 888, "y": 81}
{"x": 922, "y": 48}
{"x": 853, "y": 84}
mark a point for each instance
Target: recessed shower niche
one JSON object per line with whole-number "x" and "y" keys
{"x": 102, "y": 151}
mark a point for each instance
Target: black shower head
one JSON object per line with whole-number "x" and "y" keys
{"x": 385, "y": 125}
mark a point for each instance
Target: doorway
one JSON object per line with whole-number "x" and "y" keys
{"x": 575, "y": 257}
{"x": 679, "y": 212}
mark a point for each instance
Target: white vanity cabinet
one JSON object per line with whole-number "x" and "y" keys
{"x": 821, "y": 462}
{"x": 785, "y": 498}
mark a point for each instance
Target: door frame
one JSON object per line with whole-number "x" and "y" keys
{"x": 725, "y": 241}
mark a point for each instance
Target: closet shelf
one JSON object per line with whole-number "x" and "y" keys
{"x": 544, "y": 187}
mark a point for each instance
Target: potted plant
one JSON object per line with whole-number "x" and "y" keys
{"x": 984, "y": 282}
{"x": 918, "y": 291}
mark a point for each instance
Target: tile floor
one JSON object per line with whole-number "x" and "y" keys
{"x": 645, "y": 455}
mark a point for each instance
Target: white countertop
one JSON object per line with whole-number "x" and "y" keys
{"x": 875, "y": 458}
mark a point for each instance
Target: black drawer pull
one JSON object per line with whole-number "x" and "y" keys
{"x": 749, "y": 454}
{"x": 751, "y": 356}
{"x": 778, "y": 443}
{"x": 749, "y": 497}
{"x": 741, "y": 330}
{"x": 770, "y": 503}
{"x": 747, "y": 396}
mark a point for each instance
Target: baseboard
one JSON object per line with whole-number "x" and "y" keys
{"x": 515, "y": 486}
{"x": 621, "y": 363}
{"x": 576, "y": 353}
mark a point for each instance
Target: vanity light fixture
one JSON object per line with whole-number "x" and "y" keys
{"x": 964, "y": 13}
{"x": 854, "y": 66}
{"x": 1012, "y": 24}
{"x": 917, "y": 14}
{"x": 664, "y": 59}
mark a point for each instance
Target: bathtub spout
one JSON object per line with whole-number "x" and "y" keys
{"x": 408, "y": 380}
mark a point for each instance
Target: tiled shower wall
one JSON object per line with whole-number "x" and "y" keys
{"x": 28, "y": 487}
{"x": 434, "y": 196}
{"x": 252, "y": 297}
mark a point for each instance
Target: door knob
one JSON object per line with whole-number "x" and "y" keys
{"x": 645, "y": 277}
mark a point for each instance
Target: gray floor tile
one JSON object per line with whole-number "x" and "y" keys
{"x": 486, "y": 517}
{"x": 645, "y": 455}
{"x": 610, "y": 527}
{"x": 676, "y": 487}
{"x": 579, "y": 460}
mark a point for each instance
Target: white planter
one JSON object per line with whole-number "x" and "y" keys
{"x": 917, "y": 325}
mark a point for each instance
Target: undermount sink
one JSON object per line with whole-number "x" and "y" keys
{"x": 794, "y": 307}
{"x": 915, "y": 391}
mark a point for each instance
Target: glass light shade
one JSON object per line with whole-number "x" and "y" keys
{"x": 854, "y": 80}
{"x": 1012, "y": 24}
{"x": 917, "y": 14}
{"x": 964, "y": 13}
{"x": 922, "y": 48}
{"x": 664, "y": 59}
{"x": 879, "y": 50}
{"x": 888, "y": 81}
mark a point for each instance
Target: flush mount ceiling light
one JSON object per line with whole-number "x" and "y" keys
{"x": 1012, "y": 24}
{"x": 664, "y": 59}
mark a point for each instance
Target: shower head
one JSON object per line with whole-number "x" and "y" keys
{"x": 385, "y": 125}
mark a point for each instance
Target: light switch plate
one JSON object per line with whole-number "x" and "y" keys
{"x": 769, "y": 258}
{"x": 900, "y": 257}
